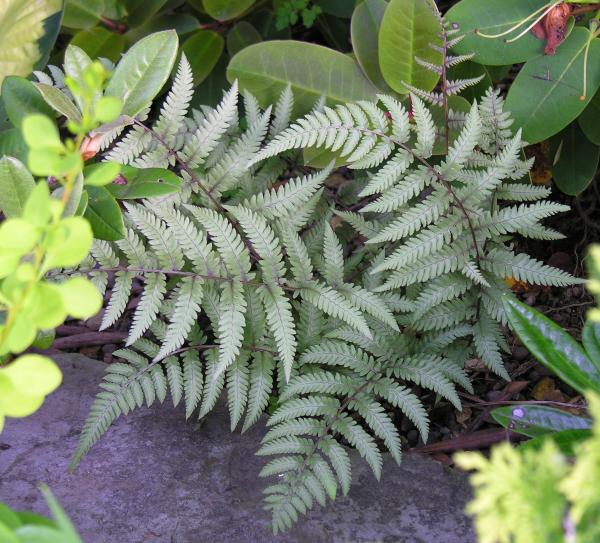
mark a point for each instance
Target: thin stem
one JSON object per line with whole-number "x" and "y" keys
{"x": 547, "y": 6}
{"x": 521, "y": 34}
{"x": 177, "y": 273}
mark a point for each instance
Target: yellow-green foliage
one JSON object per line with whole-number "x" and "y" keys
{"x": 525, "y": 495}
{"x": 594, "y": 283}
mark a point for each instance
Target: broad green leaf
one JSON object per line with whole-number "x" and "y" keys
{"x": 141, "y": 11}
{"x": 104, "y": 214}
{"x": 407, "y": 30}
{"x": 28, "y": 29}
{"x": 13, "y": 144}
{"x": 588, "y": 120}
{"x": 8, "y": 517}
{"x": 223, "y": 10}
{"x": 552, "y": 346}
{"x": 16, "y": 183}
{"x": 577, "y": 162}
{"x": 21, "y": 98}
{"x": 265, "y": 69}
{"x": 338, "y": 8}
{"x": 182, "y": 23}
{"x": 83, "y": 13}
{"x": 135, "y": 183}
{"x": 494, "y": 17}
{"x": 566, "y": 440}
{"x": 538, "y": 420}
{"x": 6, "y": 534}
{"x": 546, "y": 95}
{"x": 143, "y": 71}
{"x": 241, "y": 35}
{"x": 210, "y": 91}
{"x": 203, "y": 49}
{"x": 366, "y": 21}
{"x": 39, "y": 534}
{"x": 58, "y": 100}
{"x": 99, "y": 42}
{"x": 591, "y": 341}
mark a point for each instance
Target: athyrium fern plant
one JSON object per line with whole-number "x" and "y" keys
{"x": 238, "y": 282}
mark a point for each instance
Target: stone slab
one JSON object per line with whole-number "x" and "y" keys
{"x": 154, "y": 478}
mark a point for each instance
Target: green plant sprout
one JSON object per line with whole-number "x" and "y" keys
{"x": 48, "y": 235}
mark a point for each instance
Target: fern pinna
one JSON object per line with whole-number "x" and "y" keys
{"x": 238, "y": 282}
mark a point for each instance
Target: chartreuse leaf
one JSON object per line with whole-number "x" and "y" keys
{"x": 552, "y": 346}
{"x": 41, "y": 133}
{"x": 223, "y": 10}
{"x": 25, "y": 383}
{"x": 6, "y": 534}
{"x": 407, "y": 30}
{"x": 203, "y": 49}
{"x": 104, "y": 215}
{"x": 16, "y": 183}
{"x": 494, "y": 17}
{"x": 566, "y": 440}
{"x": 143, "y": 71}
{"x": 8, "y": 517}
{"x": 102, "y": 173}
{"x": 17, "y": 238}
{"x": 312, "y": 71}
{"x": 69, "y": 242}
{"x": 546, "y": 95}
{"x": 577, "y": 161}
{"x": 137, "y": 183}
{"x": 21, "y": 98}
{"x": 28, "y": 31}
{"x": 80, "y": 298}
{"x": 588, "y": 120}
{"x": 364, "y": 28}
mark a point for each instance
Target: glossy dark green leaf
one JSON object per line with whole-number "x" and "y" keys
{"x": 140, "y": 12}
{"x": 183, "y": 23}
{"x": 13, "y": 144}
{"x": 546, "y": 95}
{"x": 591, "y": 341}
{"x": 16, "y": 184}
{"x": 223, "y": 10}
{"x": 137, "y": 183}
{"x": 264, "y": 20}
{"x": 265, "y": 69}
{"x": 366, "y": 21}
{"x": 241, "y": 35}
{"x": 566, "y": 441}
{"x": 21, "y": 98}
{"x": 83, "y": 13}
{"x": 408, "y": 29}
{"x": 493, "y": 17}
{"x": 210, "y": 91}
{"x": 143, "y": 71}
{"x": 99, "y": 42}
{"x": 538, "y": 420}
{"x": 469, "y": 70}
{"x": 203, "y": 50}
{"x": 589, "y": 120}
{"x": 578, "y": 160}
{"x": 552, "y": 346}
{"x": 335, "y": 31}
{"x": 337, "y": 8}
{"x": 104, "y": 214}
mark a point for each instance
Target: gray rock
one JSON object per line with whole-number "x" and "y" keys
{"x": 156, "y": 479}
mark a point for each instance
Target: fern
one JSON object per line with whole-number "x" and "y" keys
{"x": 244, "y": 284}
